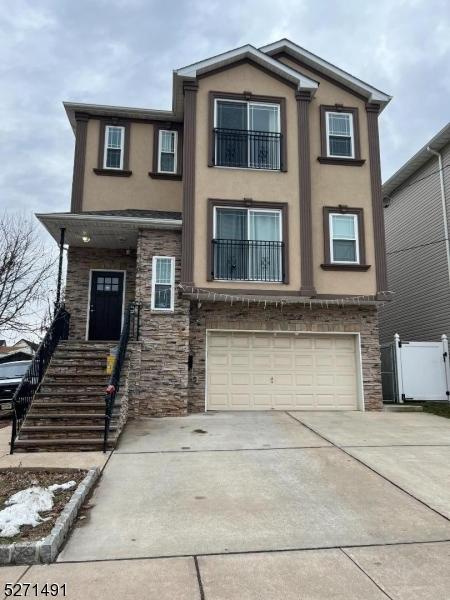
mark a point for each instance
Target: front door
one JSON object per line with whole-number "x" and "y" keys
{"x": 105, "y": 310}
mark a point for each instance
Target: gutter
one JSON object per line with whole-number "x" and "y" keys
{"x": 444, "y": 204}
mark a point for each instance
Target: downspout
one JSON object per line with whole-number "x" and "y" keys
{"x": 444, "y": 205}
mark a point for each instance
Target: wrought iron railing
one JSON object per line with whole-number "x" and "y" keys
{"x": 248, "y": 260}
{"x": 24, "y": 394}
{"x": 247, "y": 149}
{"x": 130, "y": 330}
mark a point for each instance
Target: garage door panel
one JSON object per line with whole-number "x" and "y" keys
{"x": 251, "y": 371}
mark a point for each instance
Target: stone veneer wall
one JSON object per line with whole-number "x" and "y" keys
{"x": 79, "y": 263}
{"x": 160, "y": 367}
{"x": 218, "y": 315}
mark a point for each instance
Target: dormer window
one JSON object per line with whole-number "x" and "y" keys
{"x": 167, "y": 153}
{"x": 340, "y": 136}
{"x": 114, "y": 147}
{"x": 247, "y": 134}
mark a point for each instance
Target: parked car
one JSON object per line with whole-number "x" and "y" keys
{"x": 11, "y": 374}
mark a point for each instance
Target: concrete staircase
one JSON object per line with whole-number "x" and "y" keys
{"x": 68, "y": 411}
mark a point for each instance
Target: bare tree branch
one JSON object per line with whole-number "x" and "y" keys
{"x": 26, "y": 270}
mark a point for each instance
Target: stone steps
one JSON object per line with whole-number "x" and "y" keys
{"x": 68, "y": 411}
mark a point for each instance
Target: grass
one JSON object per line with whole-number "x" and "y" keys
{"x": 441, "y": 409}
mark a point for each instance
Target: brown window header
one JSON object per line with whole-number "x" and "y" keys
{"x": 335, "y": 266}
{"x": 356, "y": 160}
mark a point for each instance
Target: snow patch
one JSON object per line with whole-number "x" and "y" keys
{"x": 23, "y": 508}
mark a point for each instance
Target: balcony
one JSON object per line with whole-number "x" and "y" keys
{"x": 247, "y": 149}
{"x": 248, "y": 260}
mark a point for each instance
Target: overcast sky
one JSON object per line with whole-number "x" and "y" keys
{"x": 123, "y": 52}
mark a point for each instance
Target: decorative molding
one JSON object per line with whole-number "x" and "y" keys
{"x": 377, "y": 197}
{"x": 168, "y": 176}
{"x": 246, "y": 96}
{"x": 248, "y": 203}
{"x": 79, "y": 161}
{"x": 189, "y": 134}
{"x": 113, "y": 172}
{"x": 306, "y": 248}
{"x": 343, "y": 267}
{"x": 348, "y": 162}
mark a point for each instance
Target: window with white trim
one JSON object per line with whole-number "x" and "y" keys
{"x": 163, "y": 283}
{"x": 167, "y": 153}
{"x": 114, "y": 145}
{"x": 340, "y": 135}
{"x": 344, "y": 238}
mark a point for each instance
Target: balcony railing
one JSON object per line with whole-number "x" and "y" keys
{"x": 247, "y": 149}
{"x": 248, "y": 260}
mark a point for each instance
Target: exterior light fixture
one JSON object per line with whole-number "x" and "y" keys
{"x": 85, "y": 237}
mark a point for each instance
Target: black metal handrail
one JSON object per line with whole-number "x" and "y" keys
{"x": 248, "y": 260}
{"x": 247, "y": 149}
{"x": 130, "y": 329}
{"x": 24, "y": 394}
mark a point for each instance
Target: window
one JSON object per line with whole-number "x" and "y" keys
{"x": 339, "y": 132}
{"x": 163, "y": 283}
{"x": 167, "y": 154}
{"x": 247, "y": 134}
{"x": 344, "y": 243}
{"x": 114, "y": 144}
{"x": 248, "y": 244}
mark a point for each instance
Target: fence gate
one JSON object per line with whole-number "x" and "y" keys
{"x": 422, "y": 370}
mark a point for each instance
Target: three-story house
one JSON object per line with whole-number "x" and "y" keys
{"x": 247, "y": 223}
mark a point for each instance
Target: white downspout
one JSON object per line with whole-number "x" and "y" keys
{"x": 444, "y": 205}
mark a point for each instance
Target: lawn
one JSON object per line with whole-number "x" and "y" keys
{"x": 442, "y": 409}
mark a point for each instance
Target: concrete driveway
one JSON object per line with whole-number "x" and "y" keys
{"x": 346, "y": 506}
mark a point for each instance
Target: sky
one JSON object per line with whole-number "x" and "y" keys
{"x": 122, "y": 52}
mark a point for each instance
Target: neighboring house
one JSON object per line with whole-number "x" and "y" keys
{"x": 21, "y": 350}
{"x": 417, "y": 205}
{"x": 248, "y": 223}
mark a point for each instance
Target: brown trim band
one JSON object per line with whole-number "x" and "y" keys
{"x": 247, "y": 203}
{"x": 113, "y": 172}
{"x": 154, "y": 173}
{"x": 356, "y": 160}
{"x": 306, "y": 248}
{"x": 79, "y": 160}
{"x": 239, "y": 292}
{"x": 348, "y": 162}
{"x": 189, "y": 134}
{"x": 327, "y": 264}
{"x": 114, "y": 122}
{"x": 377, "y": 197}
{"x": 246, "y": 97}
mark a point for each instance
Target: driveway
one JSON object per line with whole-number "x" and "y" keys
{"x": 351, "y": 506}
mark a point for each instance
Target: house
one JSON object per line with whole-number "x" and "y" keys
{"x": 417, "y": 201}
{"x": 20, "y": 350}
{"x": 247, "y": 224}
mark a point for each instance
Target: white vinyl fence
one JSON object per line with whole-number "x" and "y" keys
{"x": 415, "y": 370}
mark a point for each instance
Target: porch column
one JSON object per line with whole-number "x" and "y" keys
{"x": 306, "y": 251}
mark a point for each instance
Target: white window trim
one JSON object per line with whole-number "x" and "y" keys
{"x": 248, "y": 103}
{"x": 172, "y": 285}
{"x": 122, "y": 146}
{"x": 355, "y": 239}
{"x": 352, "y": 134}
{"x": 175, "y": 157}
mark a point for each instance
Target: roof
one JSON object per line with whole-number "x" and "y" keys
{"x": 134, "y": 212}
{"x": 323, "y": 66}
{"x": 417, "y": 161}
{"x": 261, "y": 56}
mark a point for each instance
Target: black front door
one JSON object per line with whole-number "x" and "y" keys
{"x": 105, "y": 310}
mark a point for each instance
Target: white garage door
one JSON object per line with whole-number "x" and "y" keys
{"x": 263, "y": 371}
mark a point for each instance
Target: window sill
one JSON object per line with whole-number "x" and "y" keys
{"x": 348, "y": 162}
{"x": 344, "y": 267}
{"x": 173, "y": 176}
{"x": 162, "y": 311}
{"x": 253, "y": 169}
{"x": 113, "y": 172}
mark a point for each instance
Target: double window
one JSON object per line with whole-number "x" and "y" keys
{"x": 163, "y": 283}
{"x": 247, "y": 244}
{"x": 167, "y": 153}
{"x": 247, "y": 134}
{"x": 114, "y": 146}
{"x": 340, "y": 135}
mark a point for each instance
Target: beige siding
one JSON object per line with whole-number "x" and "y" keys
{"x": 138, "y": 191}
{"x": 416, "y": 258}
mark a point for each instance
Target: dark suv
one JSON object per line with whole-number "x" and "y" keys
{"x": 11, "y": 374}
